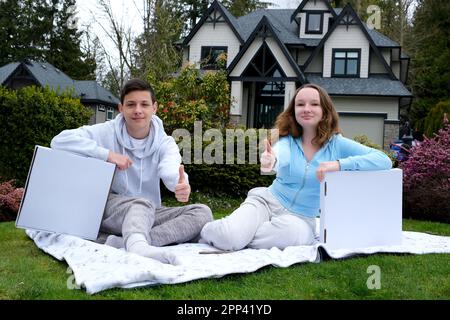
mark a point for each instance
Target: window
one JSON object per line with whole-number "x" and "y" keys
{"x": 213, "y": 57}
{"x": 101, "y": 108}
{"x": 110, "y": 114}
{"x": 314, "y": 22}
{"x": 346, "y": 63}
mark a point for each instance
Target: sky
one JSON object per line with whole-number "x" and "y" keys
{"x": 90, "y": 15}
{"x": 129, "y": 11}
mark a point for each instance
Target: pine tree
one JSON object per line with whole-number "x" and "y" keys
{"x": 157, "y": 55}
{"x": 41, "y": 30}
{"x": 9, "y": 29}
{"x": 430, "y": 68}
{"x": 23, "y": 29}
{"x": 194, "y": 10}
{"x": 242, "y": 7}
{"x": 65, "y": 51}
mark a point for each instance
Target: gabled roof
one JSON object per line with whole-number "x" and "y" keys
{"x": 380, "y": 39}
{"x": 46, "y": 74}
{"x": 279, "y": 18}
{"x": 91, "y": 91}
{"x": 7, "y": 70}
{"x": 348, "y": 11}
{"x": 43, "y": 73}
{"x": 286, "y": 29}
{"x": 375, "y": 85}
{"x": 229, "y": 18}
{"x": 265, "y": 23}
{"x": 304, "y": 2}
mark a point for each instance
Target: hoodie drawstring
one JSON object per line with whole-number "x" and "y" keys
{"x": 126, "y": 175}
{"x": 140, "y": 184}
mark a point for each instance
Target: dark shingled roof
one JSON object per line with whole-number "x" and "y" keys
{"x": 287, "y": 31}
{"x": 48, "y": 75}
{"x": 91, "y": 91}
{"x": 375, "y": 85}
{"x": 6, "y": 70}
{"x": 230, "y": 16}
{"x": 380, "y": 39}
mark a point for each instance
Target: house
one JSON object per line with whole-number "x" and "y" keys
{"x": 26, "y": 73}
{"x": 272, "y": 52}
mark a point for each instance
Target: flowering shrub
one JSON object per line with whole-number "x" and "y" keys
{"x": 426, "y": 178}
{"x": 10, "y": 198}
{"x": 183, "y": 115}
{"x": 191, "y": 97}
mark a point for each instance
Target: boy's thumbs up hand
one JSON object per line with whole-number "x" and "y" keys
{"x": 267, "y": 158}
{"x": 182, "y": 189}
{"x": 182, "y": 178}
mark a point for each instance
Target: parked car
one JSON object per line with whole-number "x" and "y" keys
{"x": 401, "y": 149}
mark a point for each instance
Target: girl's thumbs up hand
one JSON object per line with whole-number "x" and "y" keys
{"x": 267, "y": 157}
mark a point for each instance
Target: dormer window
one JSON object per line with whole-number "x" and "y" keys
{"x": 346, "y": 63}
{"x": 314, "y": 22}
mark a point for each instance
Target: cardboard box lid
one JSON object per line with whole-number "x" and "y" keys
{"x": 65, "y": 193}
{"x": 361, "y": 209}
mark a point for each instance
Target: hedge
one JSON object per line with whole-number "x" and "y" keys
{"x": 33, "y": 116}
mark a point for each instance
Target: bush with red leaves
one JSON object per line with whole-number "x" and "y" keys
{"x": 426, "y": 178}
{"x": 10, "y": 198}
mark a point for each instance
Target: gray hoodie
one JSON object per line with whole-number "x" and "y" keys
{"x": 158, "y": 159}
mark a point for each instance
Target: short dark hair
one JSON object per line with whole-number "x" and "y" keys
{"x": 136, "y": 85}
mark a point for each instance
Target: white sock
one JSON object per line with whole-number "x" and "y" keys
{"x": 137, "y": 243}
{"x": 115, "y": 241}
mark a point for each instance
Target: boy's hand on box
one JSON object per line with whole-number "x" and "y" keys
{"x": 122, "y": 162}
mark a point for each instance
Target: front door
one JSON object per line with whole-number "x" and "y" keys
{"x": 269, "y": 103}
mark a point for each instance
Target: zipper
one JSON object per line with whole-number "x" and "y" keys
{"x": 306, "y": 171}
{"x": 302, "y": 186}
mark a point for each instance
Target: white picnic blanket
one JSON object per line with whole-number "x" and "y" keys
{"x": 99, "y": 267}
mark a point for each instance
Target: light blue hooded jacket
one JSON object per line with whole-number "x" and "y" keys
{"x": 296, "y": 185}
{"x": 159, "y": 159}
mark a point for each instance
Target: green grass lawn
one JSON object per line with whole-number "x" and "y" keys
{"x": 28, "y": 273}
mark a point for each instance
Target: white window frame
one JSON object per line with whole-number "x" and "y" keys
{"x": 110, "y": 114}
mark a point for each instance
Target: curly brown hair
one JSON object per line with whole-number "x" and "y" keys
{"x": 328, "y": 126}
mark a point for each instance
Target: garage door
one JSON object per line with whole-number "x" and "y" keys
{"x": 356, "y": 125}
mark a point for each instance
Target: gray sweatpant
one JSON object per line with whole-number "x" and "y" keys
{"x": 261, "y": 222}
{"x": 126, "y": 215}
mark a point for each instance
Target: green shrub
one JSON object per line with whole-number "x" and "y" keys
{"x": 433, "y": 121}
{"x": 193, "y": 97}
{"x": 225, "y": 179}
{"x": 232, "y": 179}
{"x": 33, "y": 116}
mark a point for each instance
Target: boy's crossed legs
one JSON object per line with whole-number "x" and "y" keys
{"x": 145, "y": 229}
